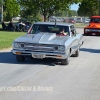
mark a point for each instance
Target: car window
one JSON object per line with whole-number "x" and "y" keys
{"x": 48, "y": 28}
{"x": 71, "y": 18}
{"x": 96, "y": 20}
{"x": 79, "y": 19}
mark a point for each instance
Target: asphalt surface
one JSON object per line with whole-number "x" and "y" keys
{"x": 48, "y": 80}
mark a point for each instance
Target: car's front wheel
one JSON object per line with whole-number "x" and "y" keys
{"x": 66, "y": 61}
{"x": 20, "y": 58}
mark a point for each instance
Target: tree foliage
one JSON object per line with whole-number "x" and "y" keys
{"x": 11, "y": 9}
{"x": 88, "y": 8}
{"x": 0, "y": 2}
{"x": 72, "y": 13}
{"x": 66, "y": 13}
{"x": 0, "y": 8}
{"x": 45, "y": 7}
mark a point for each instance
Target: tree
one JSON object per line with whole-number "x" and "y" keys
{"x": 72, "y": 13}
{"x": 11, "y": 9}
{"x": 88, "y": 8}
{"x": 46, "y": 7}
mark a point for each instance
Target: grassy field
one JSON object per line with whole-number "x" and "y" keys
{"x": 80, "y": 25}
{"x": 6, "y": 38}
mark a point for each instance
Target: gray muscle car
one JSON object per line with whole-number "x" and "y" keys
{"x": 45, "y": 40}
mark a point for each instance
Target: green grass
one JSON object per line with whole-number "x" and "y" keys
{"x": 80, "y": 25}
{"x": 0, "y": 26}
{"x": 6, "y": 38}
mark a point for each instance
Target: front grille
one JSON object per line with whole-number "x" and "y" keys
{"x": 38, "y": 47}
{"x": 94, "y": 30}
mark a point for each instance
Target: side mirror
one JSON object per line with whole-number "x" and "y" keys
{"x": 71, "y": 34}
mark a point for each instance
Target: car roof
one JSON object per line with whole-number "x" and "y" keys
{"x": 53, "y": 23}
{"x": 95, "y": 16}
{"x": 78, "y": 17}
{"x": 71, "y": 18}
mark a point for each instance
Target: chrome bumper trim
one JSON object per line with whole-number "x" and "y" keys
{"x": 47, "y": 55}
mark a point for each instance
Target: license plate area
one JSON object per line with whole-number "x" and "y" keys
{"x": 93, "y": 33}
{"x": 38, "y": 56}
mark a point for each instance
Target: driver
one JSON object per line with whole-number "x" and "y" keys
{"x": 42, "y": 29}
{"x": 62, "y": 32}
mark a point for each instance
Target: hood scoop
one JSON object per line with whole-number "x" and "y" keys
{"x": 43, "y": 37}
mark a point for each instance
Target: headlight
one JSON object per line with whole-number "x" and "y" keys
{"x": 59, "y": 48}
{"x": 18, "y": 45}
{"x": 87, "y": 30}
{"x": 56, "y": 47}
{"x": 22, "y": 45}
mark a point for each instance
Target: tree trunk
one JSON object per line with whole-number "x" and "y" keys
{"x": 44, "y": 17}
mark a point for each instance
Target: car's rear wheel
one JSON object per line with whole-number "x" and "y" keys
{"x": 76, "y": 53}
{"x": 20, "y": 58}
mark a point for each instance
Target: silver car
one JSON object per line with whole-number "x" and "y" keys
{"x": 79, "y": 20}
{"x": 44, "y": 40}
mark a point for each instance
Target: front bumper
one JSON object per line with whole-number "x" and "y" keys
{"x": 92, "y": 32}
{"x": 39, "y": 54}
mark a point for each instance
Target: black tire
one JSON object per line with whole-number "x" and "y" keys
{"x": 76, "y": 53}
{"x": 84, "y": 34}
{"x": 20, "y": 58}
{"x": 65, "y": 61}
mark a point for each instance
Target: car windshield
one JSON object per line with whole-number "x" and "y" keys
{"x": 96, "y": 20}
{"x": 87, "y": 19}
{"x": 78, "y": 18}
{"x": 71, "y": 18}
{"x": 36, "y": 28}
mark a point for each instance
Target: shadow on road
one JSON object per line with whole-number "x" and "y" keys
{"x": 90, "y": 50}
{"x": 8, "y": 57}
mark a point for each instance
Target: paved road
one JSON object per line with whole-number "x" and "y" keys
{"x": 47, "y": 80}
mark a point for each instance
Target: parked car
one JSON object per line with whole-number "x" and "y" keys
{"x": 94, "y": 26}
{"x": 48, "y": 42}
{"x": 87, "y": 20}
{"x": 79, "y": 20}
{"x": 16, "y": 18}
{"x": 52, "y": 18}
{"x": 72, "y": 20}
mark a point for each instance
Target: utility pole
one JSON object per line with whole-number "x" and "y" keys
{"x": 2, "y": 11}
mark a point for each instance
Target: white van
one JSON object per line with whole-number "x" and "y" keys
{"x": 79, "y": 20}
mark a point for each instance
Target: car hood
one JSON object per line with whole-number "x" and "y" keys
{"x": 43, "y": 38}
{"x": 93, "y": 25}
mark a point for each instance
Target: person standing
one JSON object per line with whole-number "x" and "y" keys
{"x": 4, "y": 27}
{"x": 11, "y": 26}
